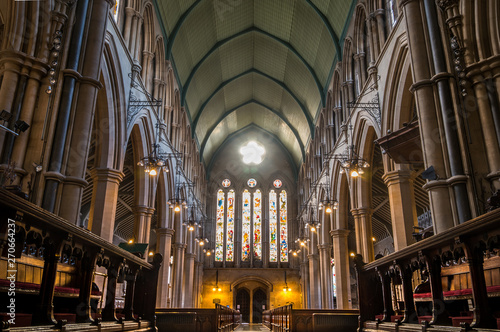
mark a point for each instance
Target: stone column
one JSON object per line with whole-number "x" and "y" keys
{"x": 375, "y": 37}
{"x": 84, "y": 112}
{"x": 188, "y": 283}
{"x": 129, "y": 13}
{"x": 403, "y": 207}
{"x": 179, "y": 248}
{"x": 314, "y": 276}
{"x": 304, "y": 276}
{"x": 487, "y": 126}
{"x": 133, "y": 33}
{"x": 326, "y": 276}
{"x": 142, "y": 223}
{"x": 104, "y": 199}
{"x": 164, "y": 247}
{"x": 363, "y": 227}
{"x": 342, "y": 274}
{"x": 439, "y": 195}
{"x": 379, "y": 16}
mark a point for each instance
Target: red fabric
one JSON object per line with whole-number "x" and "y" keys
{"x": 67, "y": 290}
{"x": 467, "y": 291}
{"x": 459, "y": 319}
{"x": 426, "y": 318}
{"x": 421, "y": 295}
{"x": 21, "y": 319}
{"x": 19, "y": 285}
{"x": 493, "y": 289}
{"x": 381, "y": 317}
{"x": 453, "y": 293}
{"x": 95, "y": 292}
{"x": 71, "y": 318}
{"x": 398, "y": 317}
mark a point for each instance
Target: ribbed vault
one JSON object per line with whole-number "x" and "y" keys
{"x": 271, "y": 59}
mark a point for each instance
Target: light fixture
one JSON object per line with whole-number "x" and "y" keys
{"x": 21, "y": 126}
{"x": 351, "y": 162}
{"x": 374, "y": 239}
{"x": 151, "y": 253}
{"x": 352, "y": 254}
{"x": 286, "y": 288}
{"x": 208, "y": 252}
{"x": 201, "y": 241}
{"x": 191, "y": 223}
{"x": 216, "y": 288}
{"x": 130, "y": 241}
{"x": 156, "y": 161}
{"x": 312, "y": 224}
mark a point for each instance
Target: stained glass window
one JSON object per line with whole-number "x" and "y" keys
{"x": 226, "y": 183}
{"x": 277, "y": 183}
{"x": 283, "y": 228}
{"x": 257, "y": 225}
{"x": 115, "y": 10}
{"x": 273, "y": 220}
{"x": 219, "y": 231}
{"x": 252, "y": 183}
{"x": 245, "y": 227}
{"x": 230, "y": 227}
{"x": 334, "y": 279}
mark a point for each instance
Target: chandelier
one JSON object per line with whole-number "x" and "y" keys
{"x": 352, "y": 163}
{"x": 156, "y": 161}
{"x": 326, "y": 203}
{"x": 312, "y": 224}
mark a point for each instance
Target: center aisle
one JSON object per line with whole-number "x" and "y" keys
{"x": 251, "y": 328}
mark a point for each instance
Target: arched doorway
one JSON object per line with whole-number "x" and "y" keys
{"x": 259, "y": 303}
{"x": 243, "y": 301}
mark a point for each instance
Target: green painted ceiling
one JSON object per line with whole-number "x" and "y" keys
{"x": 261, "y": 63}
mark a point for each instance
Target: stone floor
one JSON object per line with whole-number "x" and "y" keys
{"x": 251, "y": 328}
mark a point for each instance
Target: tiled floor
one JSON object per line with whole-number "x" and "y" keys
{"x": 252, "y": 328}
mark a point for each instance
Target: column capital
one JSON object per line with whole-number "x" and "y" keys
{"x": 324, "y": 246}
{"x": 143, "y": 209}
{"x": 190, "y": 255}
{"x": 398, "y": 176}
{"x": 361, "y": 211}
{"x": 312, "y": 256}
{"x": 338, "y": 233}
{"x": 165, "y": 231}
{"x": 179, "y": 245}
{"x": 379, "y": 12}
{"x": 75, "y": 180}
{"x": 129, "y": 10}
{"x": 446, "y": 4}
{"x": 107, "y": 174}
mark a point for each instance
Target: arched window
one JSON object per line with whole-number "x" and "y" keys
{"x": 257, "y": 225}
{"x": 283, "y": 227}
{"x": 245, "y": 226}
{"x": 219, "y": 230}
{"x": 115, "y": 10}
{"x": 391, "y": 12}
{"x": 273, "y": 227}
{"x": 230, "y": 227}
{"x": 252, "y": 224}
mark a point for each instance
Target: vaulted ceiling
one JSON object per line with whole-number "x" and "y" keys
{"x": 263, "y": 63}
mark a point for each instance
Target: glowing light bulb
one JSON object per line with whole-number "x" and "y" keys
{"x": 151, "y": 253}
{"x": 354, "y": 173}
{"x": 352, "y": 254}
{"x": 313, "y": 229}
{"x": 153, "y": 172}
{"x": 208, "y": 253}
{"x": 328, "y": 209}
{"x": 130, "y": 241}
{"x": 177, "y": 208}
{"x": 202, "y": 243}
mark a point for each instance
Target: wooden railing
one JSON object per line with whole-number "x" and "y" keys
{"x": 227, "y": 318}
{"x": 197, "y": 320}
{"x": 286, "y": 318}
{"x": 54, "y": 264}
{"x": 433, "y": 281}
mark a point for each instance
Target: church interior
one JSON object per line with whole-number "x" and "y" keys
{"x": 200, "y": 165}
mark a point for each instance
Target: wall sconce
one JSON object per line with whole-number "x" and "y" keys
{"x": 216, "y": 288}
{"x": 286, "y": 288}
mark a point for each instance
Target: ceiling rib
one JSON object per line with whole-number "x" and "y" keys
{"x": 253, "y": 101}
{"x": 243, "y": 32}
{"x": 334, "y": 36}
{"x": 177, "y": 27}
{"x": 256, "y": 71}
